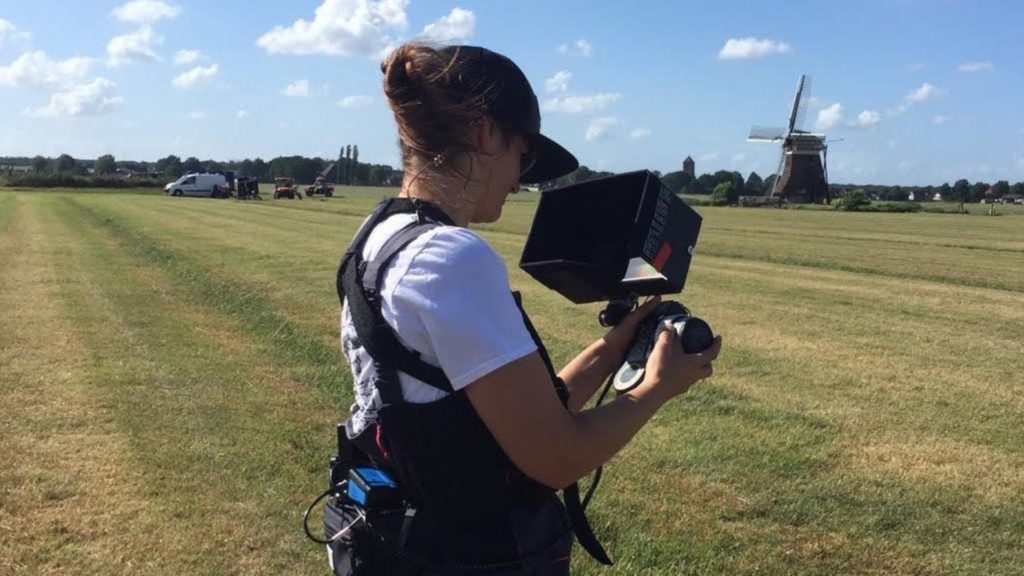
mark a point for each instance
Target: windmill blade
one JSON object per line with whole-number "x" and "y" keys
{"x": 766, "y": 133}
{"x": 799, "y": 109}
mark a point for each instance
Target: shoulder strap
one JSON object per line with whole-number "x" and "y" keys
{"x": 360, "y": 282}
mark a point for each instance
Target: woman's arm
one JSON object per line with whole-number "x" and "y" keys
{"x": 519, "y": 405}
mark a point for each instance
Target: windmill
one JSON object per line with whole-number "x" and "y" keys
{"x": 802, "y": 173}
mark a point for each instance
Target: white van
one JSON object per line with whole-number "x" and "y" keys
{"x": 203, "y": 184}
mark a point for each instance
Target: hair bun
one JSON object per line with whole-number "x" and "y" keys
{"x": 400, "y": 72}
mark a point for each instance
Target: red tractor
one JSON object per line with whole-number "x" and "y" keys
{"x": 285, "y": 187}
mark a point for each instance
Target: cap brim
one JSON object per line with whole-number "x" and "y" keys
{"x": 552, "y": 161}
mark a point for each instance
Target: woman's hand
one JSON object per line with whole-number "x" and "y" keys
{"x": 671, "y": 371}
{"x": 618, "y": 339}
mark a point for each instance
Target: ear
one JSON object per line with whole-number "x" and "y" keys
{"x": 487, "y": 136}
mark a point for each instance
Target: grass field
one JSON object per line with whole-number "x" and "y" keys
{"x": 170, "y": 380}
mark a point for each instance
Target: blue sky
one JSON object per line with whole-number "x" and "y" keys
{"x": 918, "y": 91}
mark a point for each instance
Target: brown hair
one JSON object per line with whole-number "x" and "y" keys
{"x": 435, "y": 97}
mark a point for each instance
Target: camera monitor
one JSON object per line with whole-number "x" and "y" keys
{"x": 612, "y": 237}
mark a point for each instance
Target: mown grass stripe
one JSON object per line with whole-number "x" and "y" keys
{"x": 974, "y": 282}
{"x": 312, "y": 361}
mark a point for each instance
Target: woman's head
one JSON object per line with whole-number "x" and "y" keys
{"x": 468, "y": 115}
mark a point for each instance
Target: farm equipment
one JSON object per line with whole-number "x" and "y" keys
{"x": 248, "y": 188}
{"x": 285, "y": 187}
{"x": 321, "y": 186}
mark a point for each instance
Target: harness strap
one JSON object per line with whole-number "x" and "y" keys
{"x": 360, "y": 281}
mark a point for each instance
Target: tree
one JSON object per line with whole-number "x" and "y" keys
{"x": 853, "y": 200}
{"x": 212, "y": 165}
{"x": 754, "y": 185}
{"x": 725, "y": 193}
{"x": 192, "y": 164}
{"x": 40, "y": 164}
{"x": 960, "y": 191}
{"x": 704, "y": 184}
{"x": 945, "y": 191}
{"x": 260, "y": 169}
{"x": 677, "y": 181}
{"x": 1017, "y": 188}
{"x": 769, "y": 184}
{"x": 105, "y": 164}
{"x": 65, "y": 163}
{"x": 978, "y": 190}
{"x": 170, "y": 167}
{"x": 1000, "y": 189}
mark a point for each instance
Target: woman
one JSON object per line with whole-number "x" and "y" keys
{"x": 455, "y": 395}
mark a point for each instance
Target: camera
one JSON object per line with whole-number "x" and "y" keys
{"x": 616, "y": 239}
{"x": 693, "y": 334}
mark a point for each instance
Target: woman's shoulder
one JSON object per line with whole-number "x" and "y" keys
{"x": 456, "y": 247}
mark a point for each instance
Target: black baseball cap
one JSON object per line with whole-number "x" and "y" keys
{"x": 513, "y": 104}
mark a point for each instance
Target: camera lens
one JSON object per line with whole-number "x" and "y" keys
{"x": 694, "y": 335}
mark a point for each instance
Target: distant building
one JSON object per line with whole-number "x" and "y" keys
{"x": 11, "y": 169}
{"x": 689, "y": 167}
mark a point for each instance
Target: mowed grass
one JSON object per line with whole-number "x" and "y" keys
{"x": 170, "y": 379}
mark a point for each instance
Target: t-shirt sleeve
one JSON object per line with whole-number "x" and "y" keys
{"x": 459, "y": 287}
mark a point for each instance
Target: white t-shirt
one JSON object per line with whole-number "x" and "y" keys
{"x": 447, "y": 296}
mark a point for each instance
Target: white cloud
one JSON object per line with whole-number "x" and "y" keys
{"x": 578, "y": 48}
{"x": 196, "y": 115}
{"x": 743, "y": 48}
{"x": 355, "y": 101}
{"x": 340, "y": 28}
{"x": 242, "y": 114}
{"x": 868, "y": 119}
{"x": 601, "y": 129}
{"x": 145, "y": 11}
{"x": 559, "y": 82}
{"x": 455, "y": 28}
{"x": 975, "y": 67}
{"x": 183, "y": 57}
{"x": 35, "y": 69}
{"x": 925, "y": 92}
{"x": 580, "y": 104}
{"x": 830, "y": 117}
{"x": 10, "y": 31}
{"x": 95, "y": 97}
{"x": 639, "y": 133}
{"x": 297, "y": 89}
{"x": 133, "y": 47}
{"x": 738, "y": 158}
{"x": 940, "y": 119}
{"x": 195, "y": 76}
{"x": 708, "y": 157}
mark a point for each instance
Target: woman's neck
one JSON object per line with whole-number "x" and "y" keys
{"x": 441, "y": 191}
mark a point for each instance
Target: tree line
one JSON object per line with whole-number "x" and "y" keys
{"x": 754, "y": 185}
{"x": 347, "y": 169}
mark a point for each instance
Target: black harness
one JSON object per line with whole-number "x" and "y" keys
{"x": 462, "y": 488}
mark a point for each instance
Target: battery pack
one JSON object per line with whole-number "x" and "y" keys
{"x": 372, "y": 488}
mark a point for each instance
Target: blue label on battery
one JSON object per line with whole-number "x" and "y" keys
{"x": 376, "y": 478}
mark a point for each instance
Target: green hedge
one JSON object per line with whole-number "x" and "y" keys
{"x": 70, "y": 181}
